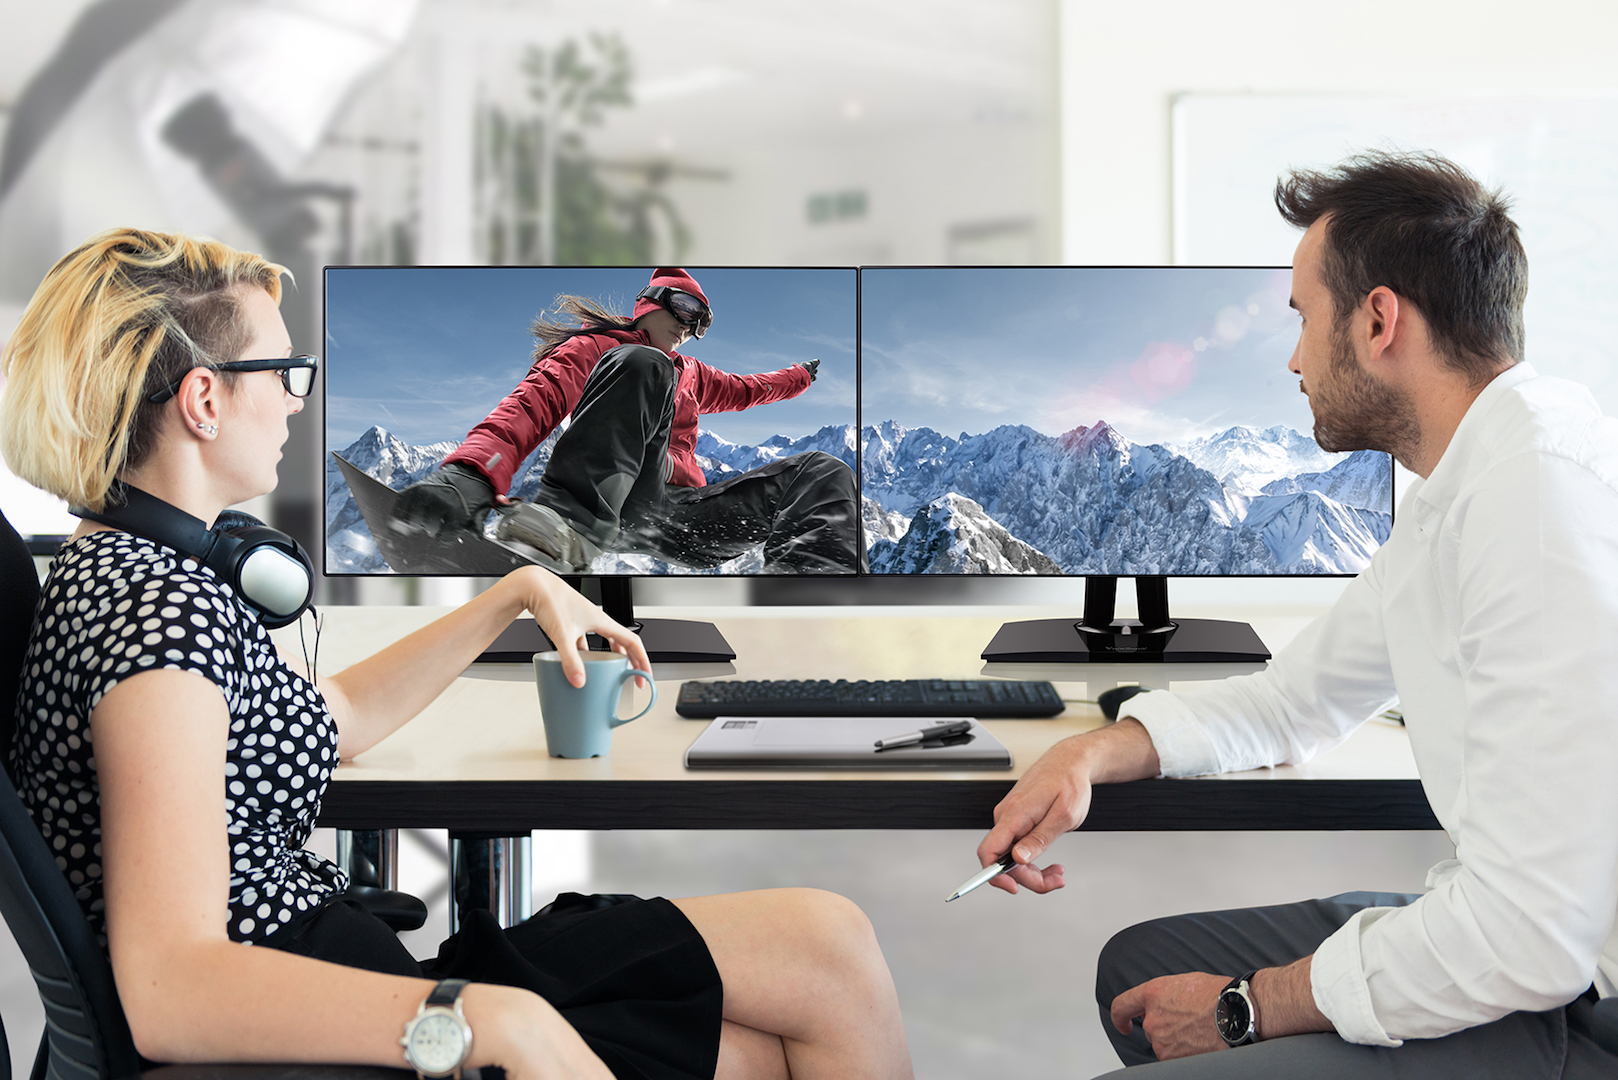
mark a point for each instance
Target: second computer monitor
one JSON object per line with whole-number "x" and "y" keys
{"x": 1135, "y": 421}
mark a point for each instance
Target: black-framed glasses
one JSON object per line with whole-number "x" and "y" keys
{"x": 297, "y": 374}
{"x": 689, "y": 311}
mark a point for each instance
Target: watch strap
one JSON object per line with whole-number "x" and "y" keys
{"x": 445, "y": 993}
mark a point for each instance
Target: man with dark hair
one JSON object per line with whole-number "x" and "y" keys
{"x": 1490, "y": 616}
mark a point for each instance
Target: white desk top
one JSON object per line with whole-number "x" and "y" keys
{"x": 487, "y": 726}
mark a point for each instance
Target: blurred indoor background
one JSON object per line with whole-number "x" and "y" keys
{"x": 728, "y": 132}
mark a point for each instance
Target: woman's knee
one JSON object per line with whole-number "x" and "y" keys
{"x": 835, "y": 920}
{"x": 639, "y": 362}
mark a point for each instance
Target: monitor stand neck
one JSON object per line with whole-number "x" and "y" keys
{"x": 1151, "y": 600}
{"x": 617, "y": 599}
{"x": 1100, "y": 637}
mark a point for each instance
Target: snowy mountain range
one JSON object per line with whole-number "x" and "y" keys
{"x": 1090, "y": 500}
{"x": 1016, "y": 501}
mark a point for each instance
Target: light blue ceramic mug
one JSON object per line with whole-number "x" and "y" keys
{"x": 579, "y": 719}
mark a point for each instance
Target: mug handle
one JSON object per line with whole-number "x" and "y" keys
{"x": 617, "y": 721}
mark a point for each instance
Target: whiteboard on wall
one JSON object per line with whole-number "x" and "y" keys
{"x": 1555, "y": 157}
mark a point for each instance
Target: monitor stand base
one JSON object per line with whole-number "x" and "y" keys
{"x": 681, "y": 641}
{"x": 1061, "y": 641}
{"x": 667, "y": 641}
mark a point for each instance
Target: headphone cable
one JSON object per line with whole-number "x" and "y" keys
{"x": 312, "y": 665}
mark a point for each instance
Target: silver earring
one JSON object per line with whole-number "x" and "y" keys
{"x": 207, "y": 429}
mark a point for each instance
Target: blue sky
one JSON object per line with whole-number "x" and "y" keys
{"x": 1164, "y": 354}
{"x": 426, "y": 352}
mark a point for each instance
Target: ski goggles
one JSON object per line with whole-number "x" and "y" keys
{"x": 687, "y": 310}
{"x": 297, "y": 374}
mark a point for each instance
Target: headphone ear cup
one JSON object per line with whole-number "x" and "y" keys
{"x": 267, "y": 569}
{"x": 270, "y": 570}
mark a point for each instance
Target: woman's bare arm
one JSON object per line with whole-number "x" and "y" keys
{"x": 375, "y": 697}
{"x": 192, "y": 994}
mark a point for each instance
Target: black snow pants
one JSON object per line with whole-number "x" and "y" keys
{"x": 608, "y": 476}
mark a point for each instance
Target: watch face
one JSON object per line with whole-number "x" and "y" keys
{"x": 1233, "y": 1017}
{"x": 437, "y": 1042}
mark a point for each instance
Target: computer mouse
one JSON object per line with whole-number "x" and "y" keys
{"x": 1110, "y": 700}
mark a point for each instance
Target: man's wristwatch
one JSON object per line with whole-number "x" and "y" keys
{"x": 438, "y": 1039}
{"x": 1235, "y": 1013}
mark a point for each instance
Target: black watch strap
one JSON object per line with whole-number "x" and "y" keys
{"x": 1233, "y": 984}
{"x": 446, "y": 992}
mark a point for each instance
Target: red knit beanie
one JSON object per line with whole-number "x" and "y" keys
{"x": 674, "y": 278}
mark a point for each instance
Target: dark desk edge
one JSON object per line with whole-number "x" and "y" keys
{"x": 517, "y": 807}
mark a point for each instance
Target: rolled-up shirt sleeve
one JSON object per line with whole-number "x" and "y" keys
{"x": 1324, "y": 684}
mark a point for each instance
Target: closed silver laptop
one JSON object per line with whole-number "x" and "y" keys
{"x": 815, "y": 742}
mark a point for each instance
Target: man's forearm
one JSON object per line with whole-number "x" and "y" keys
{"x": 1285, "y": 1001}
{"x": 1119, "y": 752}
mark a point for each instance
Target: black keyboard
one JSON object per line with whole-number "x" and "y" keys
{"x": 984, "y": 699}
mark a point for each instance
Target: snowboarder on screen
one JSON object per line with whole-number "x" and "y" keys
{"x": 624, "y": 476}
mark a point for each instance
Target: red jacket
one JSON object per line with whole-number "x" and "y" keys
{"x": 554, "y": 385}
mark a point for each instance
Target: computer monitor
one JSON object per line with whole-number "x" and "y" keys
{"x": 1104, "y": 422}
{"x": 419, "y": 357}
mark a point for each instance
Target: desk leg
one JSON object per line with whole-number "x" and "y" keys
{"x": 369, "y": 856}
{"x": 491, "y": 872}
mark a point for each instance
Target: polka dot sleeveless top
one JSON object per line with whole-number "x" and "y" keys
{"x": 116, "y": 605}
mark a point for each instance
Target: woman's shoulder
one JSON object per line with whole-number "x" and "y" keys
{"x": 591, "y": 344}
{"x": 118, "y": 567}
{"x": 116, "y": 605}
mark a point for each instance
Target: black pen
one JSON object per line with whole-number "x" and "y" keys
{"x": 937, "y": 731}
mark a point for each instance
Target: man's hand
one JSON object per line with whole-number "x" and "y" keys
{"x": 812, "y": 367}
{"x": 1175, "y": 1011}
{"x": 1053, "y": 797}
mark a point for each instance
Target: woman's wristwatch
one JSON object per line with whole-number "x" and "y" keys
{"x": 438, "y": 1040}
{"x": 1235, "y": 1013}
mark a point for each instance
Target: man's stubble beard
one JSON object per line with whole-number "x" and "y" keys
{"x": 1353, "y": 411}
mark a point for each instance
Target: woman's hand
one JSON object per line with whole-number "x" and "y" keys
{"x": 566, "y": 617}
{"x": 523, "y": 1034}
{"x": 374, "y": 697}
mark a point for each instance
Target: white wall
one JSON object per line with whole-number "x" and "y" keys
{"x": 1122, "y": 64}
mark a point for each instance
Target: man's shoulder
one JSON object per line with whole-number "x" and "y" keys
{"x": 1555, "y": 417}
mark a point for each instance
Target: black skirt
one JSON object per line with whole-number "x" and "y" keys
{"x": 632, "y": 976}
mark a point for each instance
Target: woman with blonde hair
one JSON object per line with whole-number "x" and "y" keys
{"x": 174, "y": 760}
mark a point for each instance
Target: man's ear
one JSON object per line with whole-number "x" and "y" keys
{"x": 1382, "y": 325}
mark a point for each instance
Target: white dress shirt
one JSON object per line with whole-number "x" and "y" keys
{"x": 1491, "y": 616}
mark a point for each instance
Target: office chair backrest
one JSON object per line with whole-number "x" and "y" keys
{"x": 86, "y": 1035}
{"x": 20, "y": 594}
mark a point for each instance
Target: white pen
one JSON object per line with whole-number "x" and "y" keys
{"x": 992, "y": 870}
